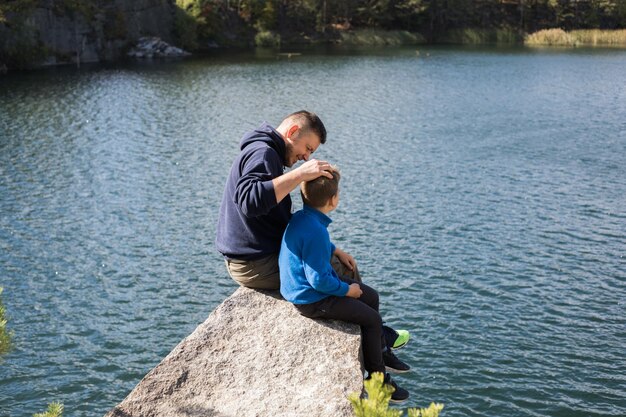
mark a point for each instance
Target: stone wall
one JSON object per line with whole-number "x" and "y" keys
{"x": 96, "y": 31}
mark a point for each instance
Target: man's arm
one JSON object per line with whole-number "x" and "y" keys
{"x": 310, "y": 170}
{"x": 254, "y": 191}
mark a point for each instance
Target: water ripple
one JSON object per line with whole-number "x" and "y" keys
{"x": 481, "y": 195}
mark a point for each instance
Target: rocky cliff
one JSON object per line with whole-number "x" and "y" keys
{"x": 49, "y": 32}
{"x": 254, "y": 356}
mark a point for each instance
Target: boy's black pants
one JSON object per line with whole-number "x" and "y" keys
{"x": 362, "y": 311}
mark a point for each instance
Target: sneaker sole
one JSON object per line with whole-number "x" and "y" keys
{"x": 398, "y": 401}
{"x": 401, "y": 346}
{"x": 397, "y": 371}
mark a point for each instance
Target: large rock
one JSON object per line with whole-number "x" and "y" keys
{"x": 154, "y": 47}
{"x": 254, "y": 356}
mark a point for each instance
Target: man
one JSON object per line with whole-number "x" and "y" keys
{"x": 256, "y": 205}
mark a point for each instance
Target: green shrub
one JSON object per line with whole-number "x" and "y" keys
{"x": 186, "y": 18}
{"x": 471, "y": 36}
{"x": 379, "y": 37}
{"x": 5, "y": 335}
{"x": 377, "y": 402}
{"x": 115, "y": 26}
{"x": 433, "y": 410}
{"x": 266, "y": 38}
{"x": 54, "y": 410}
{"x": 19, "y": 40}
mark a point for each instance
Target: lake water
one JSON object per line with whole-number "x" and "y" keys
{"x": 484, "y": 195}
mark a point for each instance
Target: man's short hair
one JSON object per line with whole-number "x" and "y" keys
{"x": 309, "y": 122}
{"x": 317, "y": 192}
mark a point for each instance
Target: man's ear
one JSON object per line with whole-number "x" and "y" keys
{"x": 293, "y": 129}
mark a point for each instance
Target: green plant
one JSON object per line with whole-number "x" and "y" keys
{"x": 115, "y": 26}
{"x": 377, "y": 402}
{"x": 266, "y": 38}
{"x": 5, "y": 335}
{"x": 186, "y": 19}
{"x": 380, "y": 37}
{"x": 54, "y": 410}
{"x": 433, "y": 410}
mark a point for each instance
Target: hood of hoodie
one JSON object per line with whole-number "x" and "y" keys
{"x": 267, "y": 134}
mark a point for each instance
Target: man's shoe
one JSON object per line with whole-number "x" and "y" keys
{"x": 399, "y": 394}
{"x": 393, "y": 364}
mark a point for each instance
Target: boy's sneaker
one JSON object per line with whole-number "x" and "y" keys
{"x": 395, "y": 339}
{"x": 399, "y": 394}
{"x": 402, "y": 339}
{"x": 393, "y": 364}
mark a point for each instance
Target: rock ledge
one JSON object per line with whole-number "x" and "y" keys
{"x": 253, "y": 356}
{"x": 153, "y": 47}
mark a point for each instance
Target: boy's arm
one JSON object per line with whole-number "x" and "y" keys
{"x": 317, "y": 269}
{"x": 345, "y": 258}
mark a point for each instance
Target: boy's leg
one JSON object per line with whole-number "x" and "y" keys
{"x": 371, "y": 298}
{"x": 353, "y": 311}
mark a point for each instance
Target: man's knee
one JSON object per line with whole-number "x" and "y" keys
{"x": 266, "y": 283}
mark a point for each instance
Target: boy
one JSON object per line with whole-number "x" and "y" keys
{"x": 308, "y": 280}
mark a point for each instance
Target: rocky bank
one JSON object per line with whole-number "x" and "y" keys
{"x": 254, "y": 356}
{"x": 53, "y": 32}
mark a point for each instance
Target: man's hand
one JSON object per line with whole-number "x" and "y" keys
{"x": 346, "y": 259}
{"x": 313, "y": 169}
{"x": 354, "y": 291}
{"x": 310, "y": 170}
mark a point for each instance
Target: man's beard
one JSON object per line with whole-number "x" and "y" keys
{"x": 288, "y": 155}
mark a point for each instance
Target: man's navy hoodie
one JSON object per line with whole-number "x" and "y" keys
{"x": 251, "y": 223}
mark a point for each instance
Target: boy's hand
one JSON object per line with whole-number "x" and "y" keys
{"x": 346, "y": 259}
{"x": 354, "y": 291}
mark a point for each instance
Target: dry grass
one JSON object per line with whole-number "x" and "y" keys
{"x": 593, "y": 37}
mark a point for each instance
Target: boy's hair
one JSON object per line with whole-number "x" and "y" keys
{"x": 317, "y": 192}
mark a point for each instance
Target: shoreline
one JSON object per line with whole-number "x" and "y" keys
{"x": 373, "y": 38}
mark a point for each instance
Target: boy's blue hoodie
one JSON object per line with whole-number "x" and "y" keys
{"x": 306, "y": 275}
{"x": 251, "y": 223}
